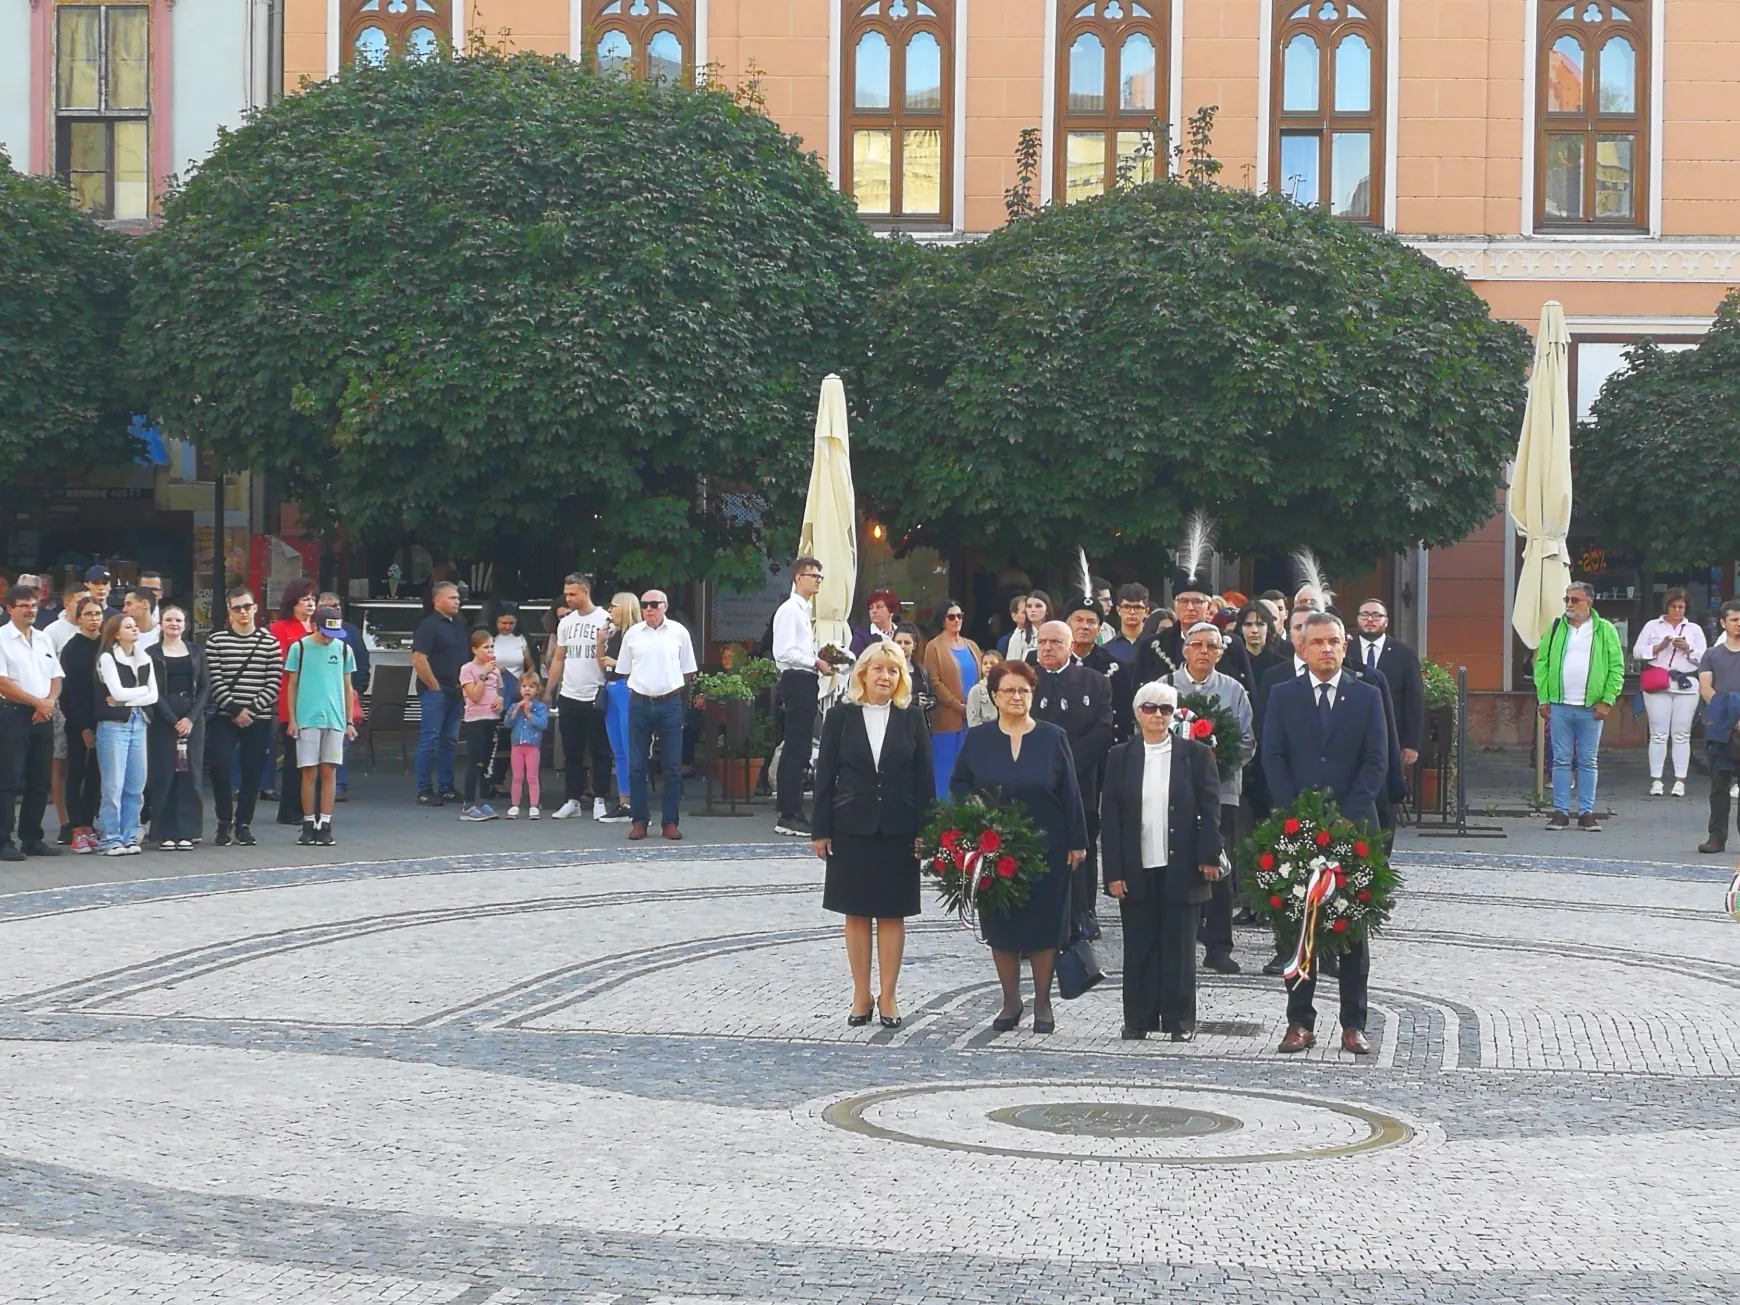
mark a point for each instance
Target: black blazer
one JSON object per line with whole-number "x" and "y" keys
{"x": 1192, "y": 831}
{"x": 1351, "y": 761}
{"x": 852, "y": 796}
{"x": 79, "y": 685}
{"x": 1400, "y": 667}
{"x": 171, "y": 708}
{"x": 1279, "y": 673}
{"x": 1079, "y": 702}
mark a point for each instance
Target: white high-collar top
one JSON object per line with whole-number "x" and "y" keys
{"x": 876, "y": 726}
{"x": 1156, "y": 801}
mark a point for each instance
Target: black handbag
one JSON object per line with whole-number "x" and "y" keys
{"x": 1078, "y": 969}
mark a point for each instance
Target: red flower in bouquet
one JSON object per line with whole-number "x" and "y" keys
{"x": 1360, "y": 848}
{"x": 1363, "y": 895}
{"x": 1340, "y": 926}
{"x": 1200, "y": 728}
{"x": 984, "y": 881}
{"x": 1006, "y": 866}
{"x": 951, "y": 839}
{"x": 1289, "y": 826}
{"x": 1275, "y": 901}
{"x": 1322, "y": 838}
{"x": 990, "y": 841}
{"x": 1265, "y": 860}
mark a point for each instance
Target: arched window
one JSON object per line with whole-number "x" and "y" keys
{"x": 374, "y": 30}
{"x": 1591, "y": 114}
{"x": 1111, "y": 94}
{"x": 1326, "y": 143}
{"x": 897, "y": 154}
{"x": 654, "y": 39}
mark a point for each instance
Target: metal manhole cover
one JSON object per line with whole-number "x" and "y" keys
{"x": 1100, "y": 1119}
{"x": 1231, "y": 1028}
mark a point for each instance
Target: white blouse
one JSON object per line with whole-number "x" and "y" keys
{"x": 141, "y": 695}
{"x": 1156, "y": 802}
{"x": 510, "y": 653}
{"x": 1671, "y": 659}
{"x": 876, "y": 726}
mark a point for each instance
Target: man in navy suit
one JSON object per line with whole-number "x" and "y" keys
{"x": 1327, "y": 730}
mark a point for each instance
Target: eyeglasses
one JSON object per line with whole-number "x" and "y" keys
{"x": 646, "y": 607}
{"x": 951, "y": 616}
{"x": 1132, "y": 607}
{"x": 1573, "y": 602}
{"x": 1156, "y": 709}
{"x": 241, "y": 607}
{"x": 1015, "y": 693}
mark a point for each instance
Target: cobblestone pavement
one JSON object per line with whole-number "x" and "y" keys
{"x": 621, "y": 1077}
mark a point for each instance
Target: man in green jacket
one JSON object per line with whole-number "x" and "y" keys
{"x": 1579, "y": 668}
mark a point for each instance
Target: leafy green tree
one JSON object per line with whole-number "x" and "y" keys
{"x": 1092, "y": 373}
{"x": 63, "y": 303}
{"x": 501, "y": 295}
{"x": 1658, "y": 466}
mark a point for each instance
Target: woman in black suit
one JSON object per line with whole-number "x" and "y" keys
{"x": 1160, "y": 832}
{"x": 873, "y": 788}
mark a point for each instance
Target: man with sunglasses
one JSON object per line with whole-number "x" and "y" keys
{"x": 245, "y": 665}
{"x": 1579, "y": 670}
{"x": 800, "y": 668}
{"x": 658, "y": 660}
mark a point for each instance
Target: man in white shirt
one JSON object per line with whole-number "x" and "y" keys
{"x": 800, "y": 666}
{"x": 577, "y": 687}
{"x": 137, "y": 604}
{"x": 658, "y": 660}
{"x": 65, "y": 625}
{"x": 30, "y": 679}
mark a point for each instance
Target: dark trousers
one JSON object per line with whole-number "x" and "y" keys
{"x": 227, "y": 742}
{"x": 1720, "y": 802}
{"x": 179, "y": 808}
{"x": 1355, "y": 972}
{"x": 1159, "y": 962}
{"x": 84, "y": 784}
{"x": 798, "y": 691}
{"x": 1217, "y": 917}
{"x": 26, "y": 769}
{"x": 585, "y": 741}
{"x": 290, "y": 781}
{"x": 479, "y": 739}
{"x": 662, "y": 717}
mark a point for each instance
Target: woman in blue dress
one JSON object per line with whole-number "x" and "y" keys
{"x": 1027, "y": 761}
{"x": 951, "y": 663}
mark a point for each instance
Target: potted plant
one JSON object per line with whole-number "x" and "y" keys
{"x": 1440, "y": 700}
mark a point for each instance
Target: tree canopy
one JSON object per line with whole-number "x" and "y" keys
{"x": 1093, "y": 372}
{"x": 63, "y": 301}
{"x": 1658, "y": 466}
{"x": 501, "y": 295}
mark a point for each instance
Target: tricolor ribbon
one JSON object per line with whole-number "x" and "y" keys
{"x": 1324, "y": 881}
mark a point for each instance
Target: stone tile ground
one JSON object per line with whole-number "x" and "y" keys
{"x": 529, "y": 1064}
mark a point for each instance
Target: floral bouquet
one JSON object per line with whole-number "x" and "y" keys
{"x": 1321, "y": 881}
{"x": 984, "y": 855}
{"x": 1202, "y": 718}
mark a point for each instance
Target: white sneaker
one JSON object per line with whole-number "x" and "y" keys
{"x": 598, "y": 808}
{"x": 1655, "y": 789}
{"x": 119, "y": 849}
{"x": 565, "y": 810}
{"x": 1679, "y": 788}
{"x": 1734, "y": 789}
{"x": 531, "y": 813}
{"x": 513, "y": 813}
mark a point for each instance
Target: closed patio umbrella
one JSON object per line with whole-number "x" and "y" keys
{"x": 830, "y": 530}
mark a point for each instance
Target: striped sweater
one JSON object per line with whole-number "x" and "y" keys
{"x": 245, "y": 669}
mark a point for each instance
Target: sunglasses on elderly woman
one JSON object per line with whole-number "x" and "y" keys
{"x": 1155, "y": 709}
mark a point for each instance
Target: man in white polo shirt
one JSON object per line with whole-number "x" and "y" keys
{"x": 658, "y": 660}
{"x": 30, "y": 679}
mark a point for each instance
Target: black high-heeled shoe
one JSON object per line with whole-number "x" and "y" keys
{"x": 857, "y": 1021}
{"x": 1047, "y": 1025}
{"x": 1003, "y": 1023}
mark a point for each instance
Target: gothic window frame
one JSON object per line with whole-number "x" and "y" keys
{"x": 639, "y": 23}
{"x": 1327, "y": 24}
{"x": 1592, "y": 121}
{"x": 1112, "y": 23}
{"x": 396, "y": 21}
{"x": 898, "y": 23}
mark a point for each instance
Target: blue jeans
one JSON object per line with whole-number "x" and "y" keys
{"x": 663, "y": 716}
{"x": 616, "y": 728}
{"x": 121, "y": 759}
{"x": 1575, "y": 730}
{"x": 437, "y": 735}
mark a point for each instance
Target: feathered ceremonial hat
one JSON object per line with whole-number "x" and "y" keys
{"x": 1195, "y": 557}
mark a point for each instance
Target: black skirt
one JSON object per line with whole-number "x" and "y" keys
{"x": 875, "y": 876}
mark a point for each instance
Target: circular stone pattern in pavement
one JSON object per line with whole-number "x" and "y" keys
{"x": 1118, "y": 1122}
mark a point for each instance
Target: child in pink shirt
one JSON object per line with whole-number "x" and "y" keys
{"x": 480, "y": 684}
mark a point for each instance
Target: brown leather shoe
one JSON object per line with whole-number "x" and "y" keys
{"x": 1712, "y": 845}
{"x": 672, "y": 832}
{"x": 1355, "y": 1041}
{"x": 1299, "y": 1038}
{"x": 1559, "y": 820}
{"x": 637, "y": 830}
{"x": 1587, "y": 821}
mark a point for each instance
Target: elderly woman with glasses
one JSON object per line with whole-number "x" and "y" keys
{"x": 1160, "y": 832}
{"x": 951, "y": 664}
{"x": 873, "y": 789}
{"x": 1026, "y": 761}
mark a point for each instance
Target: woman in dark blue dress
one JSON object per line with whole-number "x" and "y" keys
{"x": 1027, "y": 761}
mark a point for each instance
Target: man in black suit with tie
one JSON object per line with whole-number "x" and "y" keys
{"x": 1327, "y": 730}
{"x": 1079, "y": 701}
{"x": 1376, "y": 650}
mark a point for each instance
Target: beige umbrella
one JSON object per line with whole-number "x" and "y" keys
{"x": 1540, "y": 497}
{"x": 830, "y": 530}
{"x": 1540, "y": 484}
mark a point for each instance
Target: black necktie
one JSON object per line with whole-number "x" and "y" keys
{"x": 1371, "y": 657}
{"x": 1323, "y": 708}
